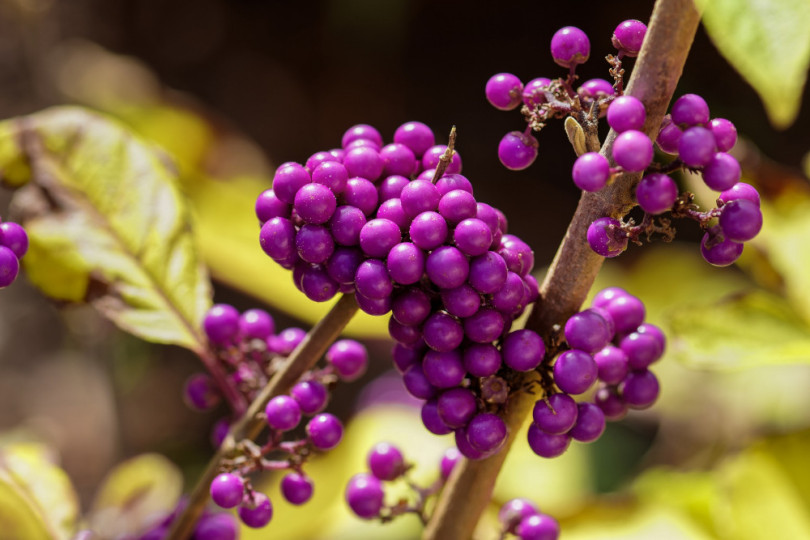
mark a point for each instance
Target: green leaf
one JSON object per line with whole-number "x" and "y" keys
{"x": 742, "y": 331}
{"x": 108, "y": 224}
{"x": 37, "y": 499}
{"x": 134, "y": 492}
{"x": 767, "y": 42}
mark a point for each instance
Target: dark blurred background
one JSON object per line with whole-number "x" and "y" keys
{"x": 293, "y": 76}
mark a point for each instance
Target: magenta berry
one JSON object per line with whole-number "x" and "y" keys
{"x": 504, "y": 91}
{"x": 296, "y": 488}
{"x": 517, "y": 150}
{"x": 626, "y": 113}
{"x": 570, "y": 46}
{"x": 632, "y": 151}
{"x": 690, "y": 110}
{"x": 629, "y": 36}
{"x": 606, "y": 237}
{"x": 256, "y": 513}
{"x": 656, "y": 193}
{"x": 364, "y": 495}
{"x": 227, "y": 490}
{"x": 591, "y": 171}
{"x": 386, "y": 461}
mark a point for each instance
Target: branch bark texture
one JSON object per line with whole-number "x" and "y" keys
{"x": 572, "y": 272}
{"x": 249, "y": 426}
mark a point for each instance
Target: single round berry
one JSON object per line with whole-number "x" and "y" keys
{"x": 9, "y": 267}
{"x": 416, "y": 136}
{"x": 504, "y": 91}
{"x": 738, "y": 191}
{"x": 220, "y": 526}
{"x": 457, "y": 205}
{"x": 268, "y": 206}
{"x": 523, "y": 350}
{"x": 398, "y": 159}
{"x": 626, "y": 311}
{"x": 221, "y": 323}
{"x": 364, "y": 495}
{"x": 362, "y": 194}
{"x": 556, "y": 414}
{"x": 349, "y": 358}
{"x": 456, "y": 407}
{"x": 314, "y": 243}
{"x": 431, "y": 420}
{"x": 669, "y": 135}
{"x": 570, "y": 46}
{"x": 632, "y": 151}
{"x": 311, "y": 396}
{"x": 485, "y": 326}
{"x": 318, "y": 158}
{"x": 449, "y": 459}
{"x": 611, "y": 363}
{"x": 641, "y": 349}
{"x": 606, "y": 237}
{"x": 256, "y": 324}
{"x": 547, "y": 445}
{"x": 386, "y": 461}
{"x": 331, "y": 174}
{"x": 392, "y": 211}
{"x": 296, "y": 488}
{"x": 517, "y": 150}
{"x": 613, "y": 406}
{"x": 721, "y": 253}
{"x": 419, "y": 196}
{"x": 741, "y": 220}
{"x": 722, "y": 172}
{"x": 378, "y": 236}
{"x": 575, "y": 371}
{"x": 473, "y": 237}
{"x": 534, "y": 92}
{"x": 517, "y": 254}
{"x": 640, "y": 389}
{"x": 361, "y": 131}
{"x": 590, "y": 423}
{"x": 14, "y": 237}
{"x": 587, "y": 331}
{"x": 463, "y": 301}
{"x": 486, "y": 432}
{"x": 343, "y": 263}
{"x": 432, "y": 156}
{"x": 690, "y": 110}
{"x": 656, "y": 193}
{"x": 227, "y": 490}
{"x": 283, "y": 413}
{"x": 628, "y": 37}
{"x": 538, "y": 527}
{"x": 596, "y": 88}
{"x": 200, "y": 392}
{"x": 416, "y": 383}
{"x": 428, "y": 230}
{"x": 405, "y": 334}
{"x": 696, "y": 147}
{"x": 508, "y": 298}
{"x": 626, "y": 113}
{"x": 324, "y": 431}
{"x": 317, "y": 285}
{"x": 406, "y": 263}
{"x": 346, "y": 224}
{"x": 258, "y": 513}
{"x": 591, "y": 171}
{"x": 514, "y": 511}
{"x": 447, "y": 267}
{"x": 487, "y": 272}
{"x": 481, "y": 359}
{"x": 391, "y": 187}
{"x": 288, "y": 179}
{"x": 443, "y": 369}
{"x": 442, "y": 332}
{"x": 372, "y": 279}
{"x": 450, "y": 182}
{"x": 411, "y": 306}
{"x": 466, "y": 449}
{"x": 277, "y": 238}
{"x": 725, "y": 134}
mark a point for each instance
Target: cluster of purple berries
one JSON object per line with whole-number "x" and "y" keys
{"x": 13, "y": 245}
{"x": 701, "y": 143}
{"x": 250, "y": 352}
{"x": 440, "y": 261}
{"x": 610, "y": 344}
{"x": 522, "y": 518}
{"x": 210, "y": 526}
{"x": 543, "y": 98}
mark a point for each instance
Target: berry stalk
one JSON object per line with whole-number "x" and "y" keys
{"x": 250, "y": 424}
{"x": 672, "y": 28}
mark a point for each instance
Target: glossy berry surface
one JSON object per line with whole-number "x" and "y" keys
{"x": 258, "y": 513}
{"x": 591, "y": 171}
{"x": 656, "y": 193}
{"x": 606, "y": 238}
{"x": 348, "y": 357}
{"x": 517, "y": 150}
{"x": 504, "y": 91}
{"x": 282, "y": 413}
{"x": 556, "y": 414}
{"x": 626, "y": 113}
{"x": 632, "y": 151}
{"x": 741, "y": 220}
{"x": 296, "y": 488}
{"x": 629, "y": 36}
{"x": 570, "y": 46}
{"x": 227, "y": 490}
{"x": 364, "y": 495}
{"x": 325, "y": 431}
{"x": 386, "y": 461}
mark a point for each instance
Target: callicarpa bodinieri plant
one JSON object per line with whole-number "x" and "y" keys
{"x": 390, "y": 224}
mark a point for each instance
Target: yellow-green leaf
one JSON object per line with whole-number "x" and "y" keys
{"x": 743, "y": 331}
{"x": 767, "y": 42}
{"x": 37, "y": 499}
{"x": 108, "y": 224}
{"x": 137, "y": 490}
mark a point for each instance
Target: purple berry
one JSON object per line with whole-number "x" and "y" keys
{"x": 411, "y": 306}
{"x": 9, "y": 267}
{"x": 590, "y": 423}
{"x": 447, "y": 267}
{"x": 538, "y": 527}
{"x": 456, "y": 407}
{"x": 349, "y": 358}
{"x": 722, "y": 172}
{"x": 378, "y": 236}
{"x": 268, "y": 206}
{"x": 517, "y": 150}
{"x": 628, "y": 37}
{"x": 416, "y": 383}
{"x": 361, "y": 131}
{"x": 606, "y": 237}
{"x": 556, "y": 415}
{"x": 485, "y": 326}
{"x": 227, "y": 490}
{"x": 457, "y": 205}
{"x": 508, "y": 298}
{"x": 324, "y": 431}
{"x": 725, "y": 134}
{"x": 258, "y": 513}
{"x": 523, "y": 350}
{"x": 472, "y": 237}
{"x": 656, "y": 193}
{"x": 504, "y": 91}
{"x": 669, "y": 135}
{"x": 200, "y": 392}
{"x": 256, "y": 324}
{"x": 361, "y": 193}
{"x": 318, "y": 158}
{"x": 430, "y": 160}
{"x": 696, "y": 147}
{"x": 221, "y": 323}
{"x": 419, "y": 196}
{"x": 720, "y": 253}
{"x": 741, "y": 220}
{"x": 632, "y": 151}
{"x": 690, "y": 110}
{"x": 627, "y": 312}
{"x": 575, "y": 371}
{"x": 210, "y": 527}
{"x": 314, "y": 243}
{"x": 613, "y": 406}
{"x": 283, "y": 413}
{"x": 487, "y": 272}
{"x": 392, "y": 211}
{"x": 398, "y": 159}
{"x": 611, "y": 363}
{"x": 277, "y": 238}
{"x": 545, "y": 444}
{"x": 372, "y": 279}
{"x": 443, "y": 369}
{"x": 14, "y": 237}
{"x": 346, "y": 224}
{"x": 587, "y": 331}
{"x": 391, "y": 187}
{"x": 416, "y": 136}
{"x": 570, "y": 46}
{"x": 626, "y": 113}
{"x": 331, "y": 174}
{"x": 364, "y": 495}
{"x": 428, "y": 230}
{"x": 442, "y": 332}
{"x": 406, "y": 263}
{"x": 288, "y": 179}
{"x": 463, "y": 301}
{"x": 431, "y": 420}
{"x": 386, "y": 462}
{"x": 738, "y": 191}
{"x": 317, "y": 285}
{"x": 595, "y": 88}
{"x": 343, "y": 263}
{"x": 450, "y": 182}
{"x": 311, "y": 396}
{"x": 517, "y": 254}
{"x": 486, "y": 432}
{"x": 296, "y": 488}
{"x": 534, "y": 93}
{"x": 640, "y": 389}
{"x": 591, "y": 171}
{"x": 641, "y": 349}
{"x": 514, "y": 511}
{"x": 481, "y": 359}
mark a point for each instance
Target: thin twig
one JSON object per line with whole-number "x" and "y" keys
{"x": 574, "y": 268}
{"x": 447, "y": 157}
{"x": 308, "y": 352}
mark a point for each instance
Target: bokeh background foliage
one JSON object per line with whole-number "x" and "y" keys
{"x": 102, "y": 188}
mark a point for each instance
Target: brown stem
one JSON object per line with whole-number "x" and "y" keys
{"x": 672, "y": 27}
{"x": 249, "y": 426}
